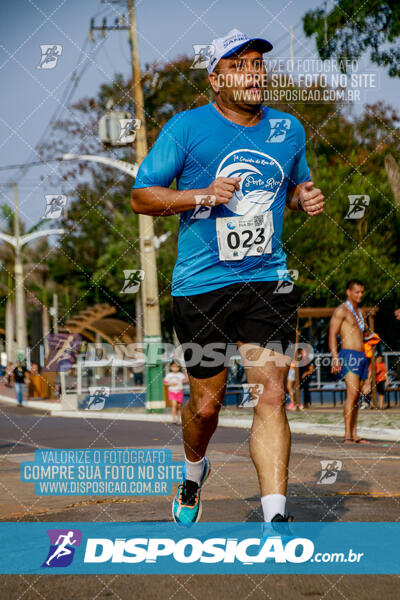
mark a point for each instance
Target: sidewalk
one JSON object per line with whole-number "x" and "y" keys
{"x": 7, "y": 395}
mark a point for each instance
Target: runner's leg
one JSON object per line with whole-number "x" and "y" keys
{"x": 350, "y": 409}
{"x": 270, "y": 433}
{"x": 200, "y": 413}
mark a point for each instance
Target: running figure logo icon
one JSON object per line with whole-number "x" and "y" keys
{"x": 279, "y": 129}
{"x": 251, "y": 395}
{"x": 133, "y": 277}
{"x": 98, "y": 396}
{"x": 50, "y": 55}
{"x": 203, "y": 53}
{"x": 62, "y": 547}
{"x": 55, "y": 204}
{"x": 329, "y": 471}
{"x": 127, "y": 132}
{"x": 357, "y": 206}
{"x": 285, "y": 285}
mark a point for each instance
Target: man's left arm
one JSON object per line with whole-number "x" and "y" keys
{"x": 306, "y": 198}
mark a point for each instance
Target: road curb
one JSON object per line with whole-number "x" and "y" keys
{"x": 372, "y": 433}
{"x": 49, "y": 406}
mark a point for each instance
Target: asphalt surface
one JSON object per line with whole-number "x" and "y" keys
{"x": 367, "y": 489}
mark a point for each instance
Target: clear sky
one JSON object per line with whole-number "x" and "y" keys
{"x": 166, "y": 29}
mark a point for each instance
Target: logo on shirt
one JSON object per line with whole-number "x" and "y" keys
{"x": 261, "y": 178}
{"x": 279, "y": 129}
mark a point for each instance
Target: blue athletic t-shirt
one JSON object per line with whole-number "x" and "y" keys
{"x": 239, "y": 241}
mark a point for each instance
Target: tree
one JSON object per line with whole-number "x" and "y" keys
{"x": 103, "y": 235}
{"x": 354, "y": 26}
{"x": 346, "y": 157}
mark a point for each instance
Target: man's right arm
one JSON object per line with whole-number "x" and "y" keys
{"x": 334, "y": 329}
{"x": 166, "y": 161}
{"x": 162, "y": 201}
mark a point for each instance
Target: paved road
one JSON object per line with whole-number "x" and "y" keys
{"x": 367, "y": 489}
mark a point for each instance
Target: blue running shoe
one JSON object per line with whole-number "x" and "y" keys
{"x": 278, "y": 527}
{"x": 186, "y": 507}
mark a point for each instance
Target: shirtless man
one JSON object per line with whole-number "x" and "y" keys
{"x": 351, "y": 362}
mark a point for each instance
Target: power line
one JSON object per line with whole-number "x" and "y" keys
{"x": 71, "y": 87}
{"x": 27, "y": 165}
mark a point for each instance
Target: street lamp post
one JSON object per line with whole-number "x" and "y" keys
{"x": 19, "y": 283}
{"x": 17, "y": 241}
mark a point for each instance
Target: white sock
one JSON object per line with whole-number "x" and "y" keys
{"x": 194, "y": 470}
{"x": 272, "y": 504}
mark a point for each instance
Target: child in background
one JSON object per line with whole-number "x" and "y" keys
{"x": 381, "y": 379}
{"x": 175, "y": 380}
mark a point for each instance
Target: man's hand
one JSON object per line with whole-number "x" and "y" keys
{"x": 223, "y": 189}
{"x": 397, "y": 314}
{"x": 336, "y": 366}
{"x": 311, "y": 199}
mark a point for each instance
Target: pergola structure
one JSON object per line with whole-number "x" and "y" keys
{"x": 368, "y": 313}
{"x": 92, "y": 321}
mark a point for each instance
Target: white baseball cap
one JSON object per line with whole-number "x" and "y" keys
{"x": 231, "y": 43}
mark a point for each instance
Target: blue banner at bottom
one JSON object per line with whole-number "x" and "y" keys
{"x": 209, "y": 548}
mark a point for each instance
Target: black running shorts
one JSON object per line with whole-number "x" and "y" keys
{"x": 209, "y": 325}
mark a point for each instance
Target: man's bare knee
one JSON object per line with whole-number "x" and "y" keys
{"x": 205, "y": 412}
{"x": 205, "y": 405}
{"x": 352, "y": 397}
{"x": 206, "y": 397}
{"x": 273, "y": 396}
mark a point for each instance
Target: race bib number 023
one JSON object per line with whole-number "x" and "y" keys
{"x": 243, "y": 236}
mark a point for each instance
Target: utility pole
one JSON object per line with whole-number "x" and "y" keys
{"x": 150, "y": 299}
{"x": 19, "y": 284}
{"x": 149, "y": 287}
{"x": 325, "y": 23}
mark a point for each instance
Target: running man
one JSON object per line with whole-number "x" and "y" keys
{"x": 62, "y": 550}
{"x": 350, "y": 362}
{"x": 230, "y": 258}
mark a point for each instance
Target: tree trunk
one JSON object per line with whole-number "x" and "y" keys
{"x": 393, "y": 175}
